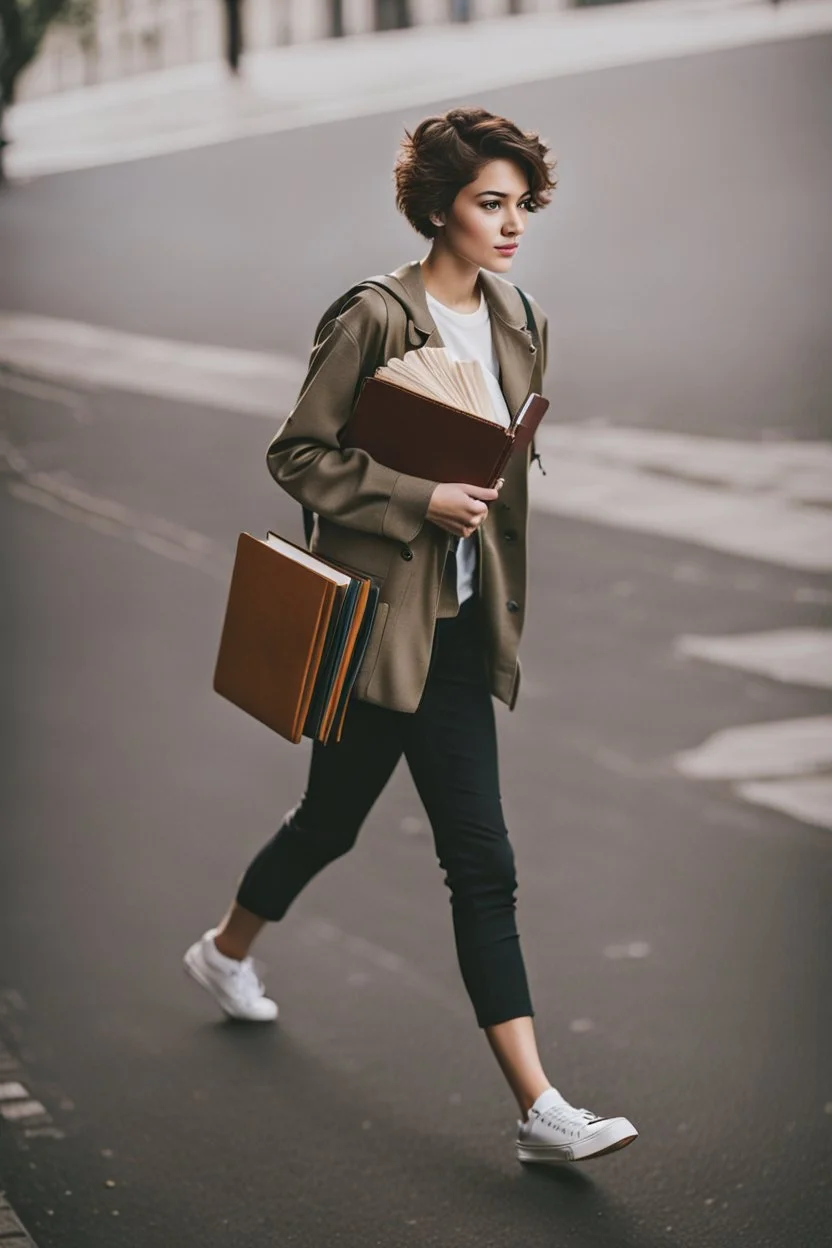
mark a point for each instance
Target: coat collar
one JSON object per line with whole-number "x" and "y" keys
{"x": 512, "y": 342}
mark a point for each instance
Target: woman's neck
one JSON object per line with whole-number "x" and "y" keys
{"x": 451, "y": 280}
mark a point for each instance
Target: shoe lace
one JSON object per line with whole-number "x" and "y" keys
{"x": 567, "y": 1116}
{"x": 245, "y": 973}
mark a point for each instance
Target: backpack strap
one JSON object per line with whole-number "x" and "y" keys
{"x": 333, "y": 311}
{"x": 531, "y": 326}
{"x": 531, "y": 323}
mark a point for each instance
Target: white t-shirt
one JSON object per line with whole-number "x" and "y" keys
{"x": 467, "y": 336}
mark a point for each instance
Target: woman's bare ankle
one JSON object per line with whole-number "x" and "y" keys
{"x": 237, "y": 932}
{"x": 229, "y": 948}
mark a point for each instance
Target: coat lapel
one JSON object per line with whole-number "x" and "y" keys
{"x": 513, "y": 344}
{"x": 516, "y": 353}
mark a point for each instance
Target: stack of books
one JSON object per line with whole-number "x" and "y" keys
{"x": 297, "y": 625}
{"x": 295, "y": 631}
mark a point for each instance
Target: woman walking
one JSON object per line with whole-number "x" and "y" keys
{"x": 451, "y": 562}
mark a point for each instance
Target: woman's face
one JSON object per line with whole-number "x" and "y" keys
{"x": 488, "y": 217}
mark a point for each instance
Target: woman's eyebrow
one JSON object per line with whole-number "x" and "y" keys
{"x": 502, "y": 194}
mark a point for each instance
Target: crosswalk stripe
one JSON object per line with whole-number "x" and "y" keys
{"x": 768, "y": 527}
{"x": 787, "y": 747}
{"x": 801, "y": 656}
{"x": 808, "y": 799}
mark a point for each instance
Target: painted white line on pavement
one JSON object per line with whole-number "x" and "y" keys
{"x": 756, "y": 526}
{"x": 12, "y": 1091}
{"x": 90, "y": 355}
{"x": 809, "y": 800}
{"x": 798, "y": 471}
{"x": 785, "y": 748}
{"x": 307, "y": 84}
{"x": 14, "y": 1111}
{"x": 801, "y": 656}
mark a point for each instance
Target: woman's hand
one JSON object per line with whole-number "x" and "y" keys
{"x": 460, "y": 509}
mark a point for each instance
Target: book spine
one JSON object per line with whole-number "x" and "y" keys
{"x": 505, "y": 456}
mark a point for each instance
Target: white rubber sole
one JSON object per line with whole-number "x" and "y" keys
{"x": 192, "y": 967}
{"x": 615, "y": 1134}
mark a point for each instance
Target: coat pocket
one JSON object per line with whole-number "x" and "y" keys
{"x": 364, "y": 552}
{"x": 368, "y": 663}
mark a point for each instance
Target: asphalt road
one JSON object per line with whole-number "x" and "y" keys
{"x": 677, "y": 939}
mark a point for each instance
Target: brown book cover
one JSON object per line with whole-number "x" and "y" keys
{"x": 273, "y": 634}
{"x": 422, "y": 437}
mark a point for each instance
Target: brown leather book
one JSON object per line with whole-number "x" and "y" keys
{"x": 275, "y": 627}
{"x": 422, "y": 437}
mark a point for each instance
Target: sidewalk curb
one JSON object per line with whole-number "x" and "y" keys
{"x": 288, "y": 88}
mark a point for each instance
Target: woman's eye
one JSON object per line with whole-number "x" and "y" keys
{"x": 491, "y": 203}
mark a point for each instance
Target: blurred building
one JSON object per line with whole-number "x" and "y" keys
{"x": 118, "y": 38}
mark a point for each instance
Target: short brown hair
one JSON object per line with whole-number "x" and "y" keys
{"x": 446, "y": 152}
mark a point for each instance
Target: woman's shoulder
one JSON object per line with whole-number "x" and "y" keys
{"x": 360, "y": 310}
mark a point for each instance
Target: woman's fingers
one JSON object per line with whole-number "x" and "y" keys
{"x": 480, "y": 492}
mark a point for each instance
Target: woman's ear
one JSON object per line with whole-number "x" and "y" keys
{"x": 437, "y": 219}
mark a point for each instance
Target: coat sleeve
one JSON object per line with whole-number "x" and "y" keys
{"x": 345, "y": 486}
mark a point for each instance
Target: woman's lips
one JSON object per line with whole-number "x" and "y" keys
{"x": 509, "y": 248}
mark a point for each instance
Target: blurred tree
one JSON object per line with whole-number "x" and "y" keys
{"x": 23, "y": 24}
{"x": 233, "y": 34}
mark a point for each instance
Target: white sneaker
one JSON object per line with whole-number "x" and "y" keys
{"x": 556, "y": 1132}
{"x": 234, "y": 985}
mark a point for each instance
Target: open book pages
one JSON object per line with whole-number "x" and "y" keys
{"x": 432, "y": 372}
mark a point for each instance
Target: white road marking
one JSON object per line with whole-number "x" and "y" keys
{"x": 14, "y": 1111}
{"x": 799, "y": 471}
{"x": 308, "y": 84}
{"x": 809, "y": 800}
{"x": 753, "y": 499}
{"x": 802, "y": 656}
{"x": 92, "y": 356}
{"x": 770, "y": 526}
{"x": 789, "y": 747}
{"x": 12, "y": 1091}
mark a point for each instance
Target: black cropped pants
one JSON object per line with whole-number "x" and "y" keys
{"x": 450, "y": 745}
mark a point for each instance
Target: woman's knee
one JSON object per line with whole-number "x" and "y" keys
{"x": 487, "y": 871}
{"x": 322, "y": 837}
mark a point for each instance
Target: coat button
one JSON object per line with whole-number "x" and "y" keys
{"x": 512, "y": 606}
{"x": 406, "y": 553}
{"x": 510, "y": 535}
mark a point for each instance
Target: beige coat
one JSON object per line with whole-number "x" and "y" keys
{"x": 372, "y": 519}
